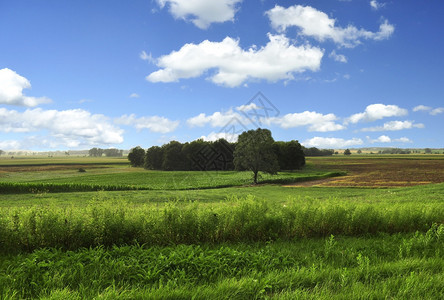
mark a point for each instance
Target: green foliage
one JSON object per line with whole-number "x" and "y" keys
{"x": 254, "y": 152}
{"x": 154, "y": 158}
{"x": 333, "y": 267}
{"x": 248, "y": 219}
{"x": 290, "y": 155}
{"x": 313, "y": 151}
{"x": 173, "y": 158}
{"x": 347, "y": 152}
{"x": 136, "y": 156}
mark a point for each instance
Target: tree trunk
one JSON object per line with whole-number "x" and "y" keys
{"x": 255, "y": 177}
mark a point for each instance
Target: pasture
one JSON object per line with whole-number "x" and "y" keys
{"x": 369, "y": 226}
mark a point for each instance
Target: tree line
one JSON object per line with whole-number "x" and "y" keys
{"x": 112, "y": 152}
{"x": 255, "y": 150}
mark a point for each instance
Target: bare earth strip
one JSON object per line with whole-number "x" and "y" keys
{"x": 372, "y": 172}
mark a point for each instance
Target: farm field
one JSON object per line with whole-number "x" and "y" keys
{"x": 213, "y": 235}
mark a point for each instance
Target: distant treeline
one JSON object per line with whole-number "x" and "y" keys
{"x": 201, "y": 155}
{"x": 113, "y": 152}
{"x": 395, "y": 151}
{"x": 313, "y": 151}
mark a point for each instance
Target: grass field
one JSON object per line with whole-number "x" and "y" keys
{"x": 212, "y": 235}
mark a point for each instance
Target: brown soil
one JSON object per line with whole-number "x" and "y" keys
{"x": 378, "y": 172}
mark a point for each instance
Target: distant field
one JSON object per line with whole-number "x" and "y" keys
{"x": 377, "y": 232}
{"x": 113, "y": 174}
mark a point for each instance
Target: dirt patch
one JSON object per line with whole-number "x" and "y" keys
{"x": 378, "y": 172}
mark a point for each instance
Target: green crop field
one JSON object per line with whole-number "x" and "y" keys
{"x": 115, "y": 232}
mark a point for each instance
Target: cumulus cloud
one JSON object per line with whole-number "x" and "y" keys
{"x": 11, "y": 90}
{"x": 387, "y": 139}
{"x": 322, "y": 142}
{"x": 319, "y": 25}
{"x": 202, "y": 12}
{"x": 70, "y": 128}
{"x": 153, "y": 123}
{"x": 217, "y": 119}
{"x": 394, "y": 126}
{"x": 338, "y": 57}
{"x": 378, "y": 111}
{"x": 315, "y": 121}
{"x": 213, "y": 136}
{"x": 278, "y": 60}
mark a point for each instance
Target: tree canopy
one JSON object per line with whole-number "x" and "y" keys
{"x": 136, "y": 156}
{"x": 254, "y": 151}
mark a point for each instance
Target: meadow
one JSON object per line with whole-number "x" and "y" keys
{"x": 139, "y": 234}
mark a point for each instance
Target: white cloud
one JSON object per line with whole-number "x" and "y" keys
{"x": 248, "y": 107}
{"x": 153, "y": 123}
{"x": 134, "y": 95}
{"x": 338, "y": 57}
{"x": 315, "y": 121}
{"x": 404, "y": 140}
{"x": 376, "y": 5}
{"x": 217, "y": 119}
{"x": 213, "y": 136}
{"x": 432, "y": 111}
{"x": 387, "y": 139}
{"x": 378, "y": 111}
{"x": 148, "y": 57}
{"x": 11, "y": 90}
{"x": 394, "y": 126}
{"x": 422, "y": 108}
{"x": 437, "y": 111}
{"x": 10, "y": 145}
{"x": 278, "y": 60}
{"x": 317, "y": 24}
{"x": 70, "y": 128}
{"x": 321, "y": 142}
{"x": 202, "y": 12}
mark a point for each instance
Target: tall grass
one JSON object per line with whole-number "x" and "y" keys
{"x": 398, "y": 266}
{"x": 235, "y": 220}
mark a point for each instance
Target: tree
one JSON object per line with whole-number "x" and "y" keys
{"x": 136, "y": 156}
{"x": 290, "y": 155}
{"x": 359, "y": 151}
{"x": 154, "y": 158}
{"x": 254, "y": 152}
{"x": 427, "y": 150}
{"x": 347, "y": 152}
{"x": 173, "y": 157}
{"x": 1, "y": 152}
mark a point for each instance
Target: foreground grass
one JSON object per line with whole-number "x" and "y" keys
{"x": 245, "y": 219}
{"x": 395, "y": 266}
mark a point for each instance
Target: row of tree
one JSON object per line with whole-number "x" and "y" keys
{"x": 112, "y": 152}
{"x": 255, "y": 150}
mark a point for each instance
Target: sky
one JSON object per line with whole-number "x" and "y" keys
{"x": 331, "y": 74}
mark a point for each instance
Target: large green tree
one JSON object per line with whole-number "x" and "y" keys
{"x": 136, "y": 156}
{"x": 254, "y": 152}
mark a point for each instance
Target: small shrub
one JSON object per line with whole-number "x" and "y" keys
{"x": 82, "y": 170}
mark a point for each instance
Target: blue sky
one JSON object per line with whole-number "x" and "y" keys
{"x": 331, "y": 74}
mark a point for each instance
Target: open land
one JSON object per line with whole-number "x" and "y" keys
{"x": 368, "y": 226}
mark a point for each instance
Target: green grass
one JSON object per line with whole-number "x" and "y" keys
{"x": 111, "y": 179}
{"x": 385, "y": 266}
{"x": 183, "y": 238}
{"x": 105, "y": 221}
